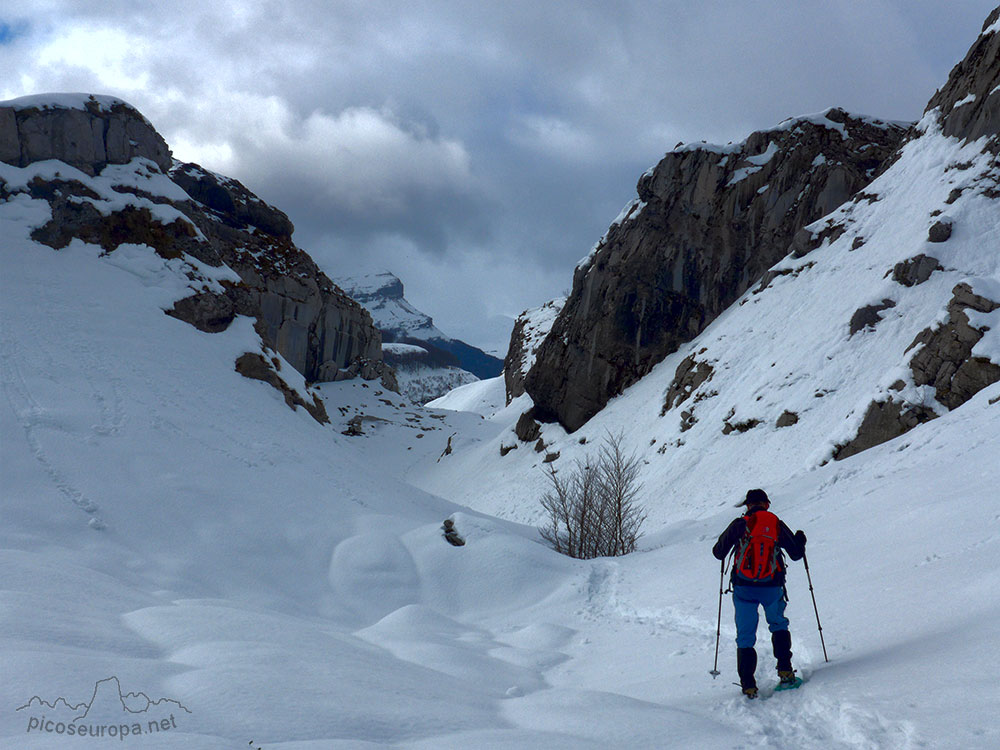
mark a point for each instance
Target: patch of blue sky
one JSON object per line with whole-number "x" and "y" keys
{"x": 11, "y": 31}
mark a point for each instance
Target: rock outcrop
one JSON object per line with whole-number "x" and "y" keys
{"x": 85, "y": 131}
{"x": 231, "y": 201}
{"x": 185, "y": 212}
{"x": 944, "y": 360}
{"x": 530, "y": 330}
{"x": 707, "y": 223}
{"x": 970, "y": 100}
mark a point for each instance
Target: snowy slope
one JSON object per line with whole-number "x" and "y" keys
{"x": 174, "y": 525}
{"x": 484, "y": 397}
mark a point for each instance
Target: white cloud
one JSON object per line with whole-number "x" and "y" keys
{"x": 554, "y": 136}
{"x": 362, "y": 159}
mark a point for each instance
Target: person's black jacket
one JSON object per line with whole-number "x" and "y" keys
{"x": 786, "y": 541}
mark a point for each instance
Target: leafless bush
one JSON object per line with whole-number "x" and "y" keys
{"x": 593, "y": 512}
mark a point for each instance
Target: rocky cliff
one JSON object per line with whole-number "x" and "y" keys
{"x": 122, "y": 187}
{"x": 87, "y": 132}
{"x": 707, "y": 223}
{"x": 530, "y": 330}
{"x": 969, "y": 103}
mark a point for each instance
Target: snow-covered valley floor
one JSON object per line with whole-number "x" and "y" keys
{"x": 173, "y": 525}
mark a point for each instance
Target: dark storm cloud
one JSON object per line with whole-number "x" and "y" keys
{"x": 477, "y": 149}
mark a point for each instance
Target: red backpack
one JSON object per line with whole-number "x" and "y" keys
{"x": 758, "y": 554}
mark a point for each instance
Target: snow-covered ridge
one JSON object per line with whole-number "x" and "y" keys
{"x": 81, "y": 101}
{"x": 403, "y": 349}
{"x": 382, "y": 295}
{"x": 831, "y": 118}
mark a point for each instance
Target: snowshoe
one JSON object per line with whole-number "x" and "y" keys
{"x": 788, "y": 680}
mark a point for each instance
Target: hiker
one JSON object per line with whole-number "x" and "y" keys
{"x": 758, "y": 579}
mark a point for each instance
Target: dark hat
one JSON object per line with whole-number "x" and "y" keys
{"x": 755, "y": 497}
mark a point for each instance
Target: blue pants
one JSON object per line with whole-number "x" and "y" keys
{"x": 746, "y": 599}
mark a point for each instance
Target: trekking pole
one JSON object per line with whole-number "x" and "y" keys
{"x": 718, "y": 626}
{"x": 815, "y": 609}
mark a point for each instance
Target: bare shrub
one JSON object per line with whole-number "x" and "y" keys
{"x": 594, "y": 510}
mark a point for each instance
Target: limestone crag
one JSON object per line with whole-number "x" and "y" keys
{"x": 84, "y": 131}
{"x": 944, "y": 360}
{"x": 970, "y": 101}
{"x": 236, "y": 205}
{"x": 530, "y": 330}
{"x": 707, "y": 223}
{"x": 188, "y": 212}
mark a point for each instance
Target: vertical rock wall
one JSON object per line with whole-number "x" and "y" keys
{"x": 708, "y": 222}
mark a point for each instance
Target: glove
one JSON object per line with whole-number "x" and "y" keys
{"x": 800, "y": 537}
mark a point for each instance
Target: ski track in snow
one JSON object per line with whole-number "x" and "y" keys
{"x": 805, "y": 719}
{"x": 810, "y": 718}
{"x": 32, "y": 415}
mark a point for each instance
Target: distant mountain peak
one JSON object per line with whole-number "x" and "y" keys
{"x": 384, "y": 284}
{"x": 381, "y": 293}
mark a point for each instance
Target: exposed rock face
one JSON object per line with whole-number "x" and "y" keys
{"x": 299, "y": 312}
{"x": 708, "y": 222}
{"x": 690, "y": 374}
{"x": 944, "y": 361}
{"x": 869, "y": 316}
{"x": 231, "y": 200}
{"x": 787, "y": 419}
{"x": 530, "y": 330}
{"x": 969, "y": 101}
{"x": 527, "y": 429}
{"x": 940, "y": 231}
{"x": 916, "y": 270}
{"x": 86, "y": 132}
{"x": 882, "y": 422}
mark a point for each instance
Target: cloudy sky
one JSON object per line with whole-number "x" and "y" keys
{"x": 477, "y": 149}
